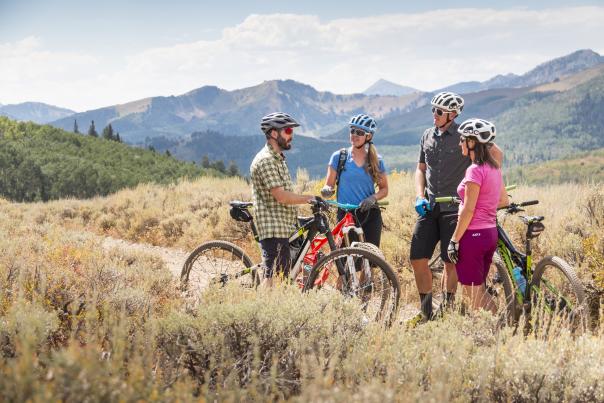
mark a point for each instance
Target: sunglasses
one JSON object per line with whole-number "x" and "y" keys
{"x": 288, "y": 130}
{"x": 439, "y": 112}
{"x": 358, "y": 132}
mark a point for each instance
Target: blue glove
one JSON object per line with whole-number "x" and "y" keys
{"x": 422, "y": 206}
{"x": 453, "y": 251}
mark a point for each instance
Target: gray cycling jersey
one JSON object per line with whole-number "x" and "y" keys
{"x": 445, "y": 164}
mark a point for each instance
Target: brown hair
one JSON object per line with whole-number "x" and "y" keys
{"x": 482, "y": 154}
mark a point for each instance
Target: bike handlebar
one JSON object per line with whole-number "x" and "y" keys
{"x": 349, "y": 206}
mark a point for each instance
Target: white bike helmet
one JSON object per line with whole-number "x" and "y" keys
{"x": 448, "y": 101}
{"x": 482, "y": 130}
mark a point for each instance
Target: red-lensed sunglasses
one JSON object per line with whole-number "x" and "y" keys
{"x": 288, "y": 130}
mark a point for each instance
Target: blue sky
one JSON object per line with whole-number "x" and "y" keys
{"x": 84, "y": 54}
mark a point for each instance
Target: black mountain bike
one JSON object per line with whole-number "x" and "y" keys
{"x": 552, "y": 292}
{"x": 323, "y": 259}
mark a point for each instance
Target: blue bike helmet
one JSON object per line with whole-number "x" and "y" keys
{"x": 363, "y": 122}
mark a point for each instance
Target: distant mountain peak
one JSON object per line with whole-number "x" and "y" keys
{"x": 37, "y": 112}
{"x": 385, "y": 87}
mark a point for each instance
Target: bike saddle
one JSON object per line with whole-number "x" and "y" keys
{"x": 240, "y": 204}
{"x": 531, "y": 219}
{"x": 302, "y": 221}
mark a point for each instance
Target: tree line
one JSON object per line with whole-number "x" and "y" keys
{"x": 40, "y": 162}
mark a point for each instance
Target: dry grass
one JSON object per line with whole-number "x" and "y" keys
{"x": 81, "y": 323}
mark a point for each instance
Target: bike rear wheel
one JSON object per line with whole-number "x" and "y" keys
{"x": 374, "y": 284}
{"x": 216, "y": 263}
{"x": 557, "y": 295}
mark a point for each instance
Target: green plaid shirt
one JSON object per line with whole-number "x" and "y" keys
{"x": 268, "y": 171}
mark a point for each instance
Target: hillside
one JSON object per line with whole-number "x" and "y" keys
{"x": 586, "y": 167}
{"x": 308, "y": 153}
{"x": 41, "y": 163}
{"x": 36, "y": 112}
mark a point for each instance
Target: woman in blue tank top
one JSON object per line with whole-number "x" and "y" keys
{"x": 363, "y": 170}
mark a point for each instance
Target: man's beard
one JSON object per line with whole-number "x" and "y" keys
{"x": 283, "y": 143}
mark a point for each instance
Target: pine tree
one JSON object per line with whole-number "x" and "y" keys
{"x": 117, "y": 137}
{"x": 233, "y": 169}
{"x": 108, "y": 132}
{"x": 92, "y": 130}
{"x": 205, "y": 161}
{"x": 168, "y": 154}
{"x": 75, "y": 127}
{"x": 219, "y": 166}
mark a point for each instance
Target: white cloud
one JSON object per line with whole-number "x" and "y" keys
{"x": 425, "y": 50}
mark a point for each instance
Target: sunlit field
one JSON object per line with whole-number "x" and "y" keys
{"x": 83, "y": 322}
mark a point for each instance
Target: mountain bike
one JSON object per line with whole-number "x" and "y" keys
{"x": 322, "y": 259}
{"x": 549, "y": 291}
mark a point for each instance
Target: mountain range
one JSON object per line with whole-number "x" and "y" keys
{"x": 238, "y": 112}
{"x": 187, "y": 124}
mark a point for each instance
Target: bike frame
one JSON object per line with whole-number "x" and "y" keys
{"x": 315, "y": 233}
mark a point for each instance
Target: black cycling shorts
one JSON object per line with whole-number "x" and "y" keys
{"x": 370, "y": 221}
{"x": 276, "y": 256}
{"x": 434, "y": 227}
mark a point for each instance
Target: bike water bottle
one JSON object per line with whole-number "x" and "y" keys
{"x": 519, "y": 278}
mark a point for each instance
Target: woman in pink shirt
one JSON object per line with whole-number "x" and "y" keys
{"x": 481, "y": 191}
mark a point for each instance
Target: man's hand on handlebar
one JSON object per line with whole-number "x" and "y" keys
{"x": 422, "y": 206}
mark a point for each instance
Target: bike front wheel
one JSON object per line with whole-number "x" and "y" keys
{"x": 359, "y": 273}
{"x": 557, "y": 295}
{"x": 216, "y": 263}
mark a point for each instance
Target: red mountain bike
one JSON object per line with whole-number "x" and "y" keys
{"x": 323, "y": 259}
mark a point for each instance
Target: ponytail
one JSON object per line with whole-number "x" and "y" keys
{"x": 373, "y": 164}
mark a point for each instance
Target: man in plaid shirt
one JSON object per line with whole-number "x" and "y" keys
{"x": 273, "y": 194}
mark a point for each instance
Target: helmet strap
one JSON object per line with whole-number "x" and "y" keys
{"x": 449, "y": 120}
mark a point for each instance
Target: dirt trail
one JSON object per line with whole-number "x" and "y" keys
{"x": 173, "y": 258}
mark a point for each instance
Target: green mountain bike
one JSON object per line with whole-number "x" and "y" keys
{"x": 549, "y": 292}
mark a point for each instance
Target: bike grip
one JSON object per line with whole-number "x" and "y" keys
{"x": 529, "y": 203}
{"x": 444, "y": 199}
{"x": 510, "y": 187}
{"x": 383, "y": 203}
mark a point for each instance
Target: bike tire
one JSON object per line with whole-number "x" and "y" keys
{"x": 217, "y": 263}
{"x": 380, "y": 296}
{"x": 552, "y": 271}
